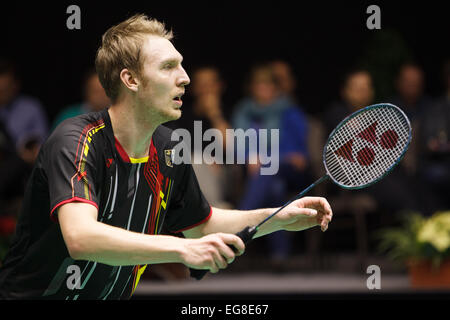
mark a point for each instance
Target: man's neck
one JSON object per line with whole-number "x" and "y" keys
{"x": 132, "y": 131}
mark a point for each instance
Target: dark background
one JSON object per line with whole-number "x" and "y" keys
{"x": 320, "y": 39}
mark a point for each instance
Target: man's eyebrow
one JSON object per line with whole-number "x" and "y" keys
{"x": 172, "y": 60}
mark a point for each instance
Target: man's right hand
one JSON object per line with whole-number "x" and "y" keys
{"x": 212, "y": 252}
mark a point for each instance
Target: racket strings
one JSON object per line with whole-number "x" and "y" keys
{"x": 342, "y": 171}
{"x": 390, "y": 120}
{"x": 366, "y": 146}
{"x": 396, "y": 132}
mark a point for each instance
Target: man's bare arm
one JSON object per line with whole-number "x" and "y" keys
{"x": 88, "y": 239}
{"x": 301, "y": 214}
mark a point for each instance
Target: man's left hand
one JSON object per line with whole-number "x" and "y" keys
{"x": 305, "y": 213}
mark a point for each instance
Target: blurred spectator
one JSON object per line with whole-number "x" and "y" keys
{"x": 356, "y": 92}
{"x": 267, "y": 108}
{"x": 396, "y": 192}
{"x": 25, "y": 125}
{"x": 410, "y": 91}
{"x": 411, "y": 98}
{"x": 206, "y": 105}
{"x": 95, "y": 99}
{"x": 23, "y": 116}
{"x": 285, "y": 78}
{"x": 287, "y": 85}
{"x": 23, "y": 128}
{"x": 434, "y": 149}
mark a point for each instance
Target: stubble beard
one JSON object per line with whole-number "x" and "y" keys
{"x": 161, "y": 114}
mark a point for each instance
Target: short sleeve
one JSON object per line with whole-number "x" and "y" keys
{"x": 70, "y": 166}
{"x": 188, "y": 207}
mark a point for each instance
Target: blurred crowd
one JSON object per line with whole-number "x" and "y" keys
{"x": 269, "y": 101}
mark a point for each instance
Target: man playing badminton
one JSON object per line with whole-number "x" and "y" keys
{"x": 104, "y": 187}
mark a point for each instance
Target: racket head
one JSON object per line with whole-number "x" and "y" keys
{"x": 367, "y": 145}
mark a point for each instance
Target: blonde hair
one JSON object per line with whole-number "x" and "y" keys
{"x": 121, "y": 48}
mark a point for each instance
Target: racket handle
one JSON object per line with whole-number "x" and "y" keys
{"x": 246, "y": 236}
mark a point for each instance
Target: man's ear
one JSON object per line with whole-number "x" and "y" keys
{"x": 129, "y": 79}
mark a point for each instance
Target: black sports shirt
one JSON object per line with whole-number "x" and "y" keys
{"x": 83, "y": 161}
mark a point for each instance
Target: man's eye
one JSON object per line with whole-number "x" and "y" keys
{"x": 168, "y": 66}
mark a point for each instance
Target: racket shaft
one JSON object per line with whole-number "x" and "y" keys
{"x": 247, "y": 233}
{"x": 298, "y": 196}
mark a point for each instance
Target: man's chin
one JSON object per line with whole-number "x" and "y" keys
{"x": 174, "y": 114}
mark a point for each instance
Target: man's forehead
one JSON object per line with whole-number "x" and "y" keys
{"x": 159, "y": 49}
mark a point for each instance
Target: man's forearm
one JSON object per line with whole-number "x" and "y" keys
{"x": 233, "y": 221}
{"x": 115, "y": 246}
{"x": 88, "y": 239}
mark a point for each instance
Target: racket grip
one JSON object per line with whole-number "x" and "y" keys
{"x": 246, "y": 236}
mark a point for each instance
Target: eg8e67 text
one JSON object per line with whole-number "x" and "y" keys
{"x": 237, "y": 309}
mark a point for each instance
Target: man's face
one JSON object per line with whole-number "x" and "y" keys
{"x": 359, "y": 91}
{"x": 284, "y": 76}
{"x": 206, "y": 82}
{"x": 162, "y": 80}
{"x": 262, "y": 88}
{"x": 410, "y": 83}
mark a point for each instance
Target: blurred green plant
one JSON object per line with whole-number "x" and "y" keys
{"x": 382, "y": 56}
{"x": 418, "y": 238}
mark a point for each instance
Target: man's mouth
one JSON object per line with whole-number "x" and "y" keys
{"x": 178, "y": 100}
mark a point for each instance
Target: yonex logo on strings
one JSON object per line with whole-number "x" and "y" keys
{"x": 365, "y": 157}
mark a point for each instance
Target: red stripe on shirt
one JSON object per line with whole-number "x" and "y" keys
{"x": 73, "y": 199}
{"x": 197, "y": 224}
{"x": 83, "y": 133}
{"x": 123, "y": 154}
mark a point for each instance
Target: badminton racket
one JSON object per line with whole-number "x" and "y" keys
{"x": 360, "y": 151}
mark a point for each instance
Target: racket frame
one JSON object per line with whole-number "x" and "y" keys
{"x": 348, "y": 118}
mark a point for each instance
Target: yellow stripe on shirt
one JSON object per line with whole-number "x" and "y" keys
{"x": 139, "y": 160}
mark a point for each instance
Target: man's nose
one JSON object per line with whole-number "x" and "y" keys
{"x": 183, "y": 80}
